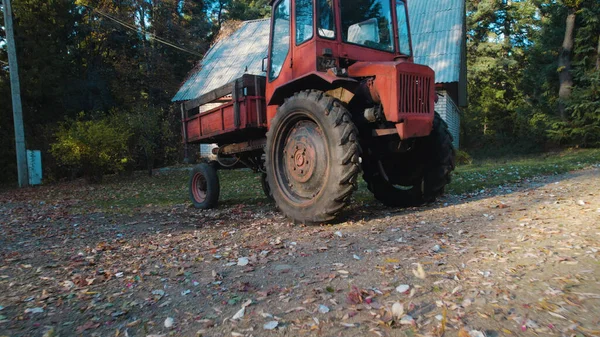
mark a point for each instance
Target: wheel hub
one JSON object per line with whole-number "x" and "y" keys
{"x": 302, "y": 151}
{"x": 199, "y": 187}
{"x": 301, "y": 161}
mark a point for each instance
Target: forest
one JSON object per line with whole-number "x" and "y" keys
{"x": 97, "y": 78}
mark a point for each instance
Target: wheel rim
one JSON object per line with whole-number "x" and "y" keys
{"x": 301, "y": 158}
{"x": 199, "y": 187}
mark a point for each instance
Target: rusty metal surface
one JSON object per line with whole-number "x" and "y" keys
{"x": 406, "y": 90}
{"x": 250, "y": 145}
{"x": 302, "y": 161}
{"x": 384, "y": 132}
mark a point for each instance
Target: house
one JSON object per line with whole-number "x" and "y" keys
{"x": 438, "y": 31}
{"x": 438, "y": 37}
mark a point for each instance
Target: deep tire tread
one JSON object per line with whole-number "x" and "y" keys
{"x": 345, "y": 136}
{"x": 437, "y": 173}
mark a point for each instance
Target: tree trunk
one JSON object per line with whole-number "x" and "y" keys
{"x": 565, "y": 77}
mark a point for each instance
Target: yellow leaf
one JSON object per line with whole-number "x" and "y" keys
{"x": 388, "y": 260}
{"x": 463, "y": 333}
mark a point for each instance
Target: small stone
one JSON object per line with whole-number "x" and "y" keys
{"x": 338, "y": 233}
{"x": 270, "y": 325}
{"x": 243, "y": 261}
{"x": 436, "y": 248}
{"x": 475, "y": 333}
{"x": 402, "y": 288}
{"x": 169, "y": 322}
{"x": 323, "y": 309}
{"x": 36, "y": 310}
{"x": 158, "y": 292}
{"x": 407, "y": 320}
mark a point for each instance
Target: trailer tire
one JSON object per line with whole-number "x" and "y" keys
{"x": 204, "y": 186}
{"x": 437, "y": 155}
{"x": 312, "y": 157}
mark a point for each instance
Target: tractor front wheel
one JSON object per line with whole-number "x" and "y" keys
{"x": 312, "y": 157}
{"x": 414, "y": 178}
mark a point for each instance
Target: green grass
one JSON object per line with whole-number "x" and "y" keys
{"x": 126, "y": 194}
{"x": 492, "y": 173}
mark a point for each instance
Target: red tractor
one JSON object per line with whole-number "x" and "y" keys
{"x": 341, "y": 95}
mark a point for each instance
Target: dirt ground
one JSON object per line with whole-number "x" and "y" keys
{"x": 518, "y": 260}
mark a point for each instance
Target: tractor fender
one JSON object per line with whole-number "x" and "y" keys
{"x": 313, "y": 80}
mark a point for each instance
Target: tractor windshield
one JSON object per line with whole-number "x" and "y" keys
{"x": 368, "y": 23}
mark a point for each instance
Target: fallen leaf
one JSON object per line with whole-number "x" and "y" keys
{"x": 419, "y": 272}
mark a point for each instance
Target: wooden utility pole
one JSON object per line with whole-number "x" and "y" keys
{"x": 16, "y": 96}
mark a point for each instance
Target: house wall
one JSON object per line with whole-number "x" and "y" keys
{"x": 450, "y": 113}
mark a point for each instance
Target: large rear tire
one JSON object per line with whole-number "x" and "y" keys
{"x": 312, "y": 157}
{"x": 204, "y": 186}
{"x": 432, "y": 157}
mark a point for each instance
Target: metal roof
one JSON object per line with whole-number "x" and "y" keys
{"x": 240, "y": 53}
{"x": 438, "y": 36}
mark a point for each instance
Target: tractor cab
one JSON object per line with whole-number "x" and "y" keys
{"x": 325, "y": 34}
{"x": 332, "y": 44}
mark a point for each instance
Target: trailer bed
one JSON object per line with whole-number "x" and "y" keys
{"x": 232, "y": 113}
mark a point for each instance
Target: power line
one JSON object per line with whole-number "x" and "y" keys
{"x": 137, "y": 30}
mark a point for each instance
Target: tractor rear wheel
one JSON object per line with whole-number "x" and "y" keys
{"x": 312, "y": 157}
{"x": 265, "y": 186}
{"x": 431, "y": 163}
{"x": 204, "y": 186}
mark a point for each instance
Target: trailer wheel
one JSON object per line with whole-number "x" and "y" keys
{"x": 204, "y": 186}
{"x": 312, "y": 157}
{"x": 436, "y": 155}
{"x": 265, "y": 186}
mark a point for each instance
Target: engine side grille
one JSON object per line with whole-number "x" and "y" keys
{"x": 415, "y": 94}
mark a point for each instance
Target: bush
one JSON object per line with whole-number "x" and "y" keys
{"x": 463, "y": 158}
{"x": 91, "y": 147}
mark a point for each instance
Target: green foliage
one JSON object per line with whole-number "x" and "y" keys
{"x": 73, "y": 58}
{"x": 463, "y": 158}
{"x": 153, "y": 137}
{"x": 92, "y": 147}
{"x": 513, "y": 50}
{"x": 583, "y": 125}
